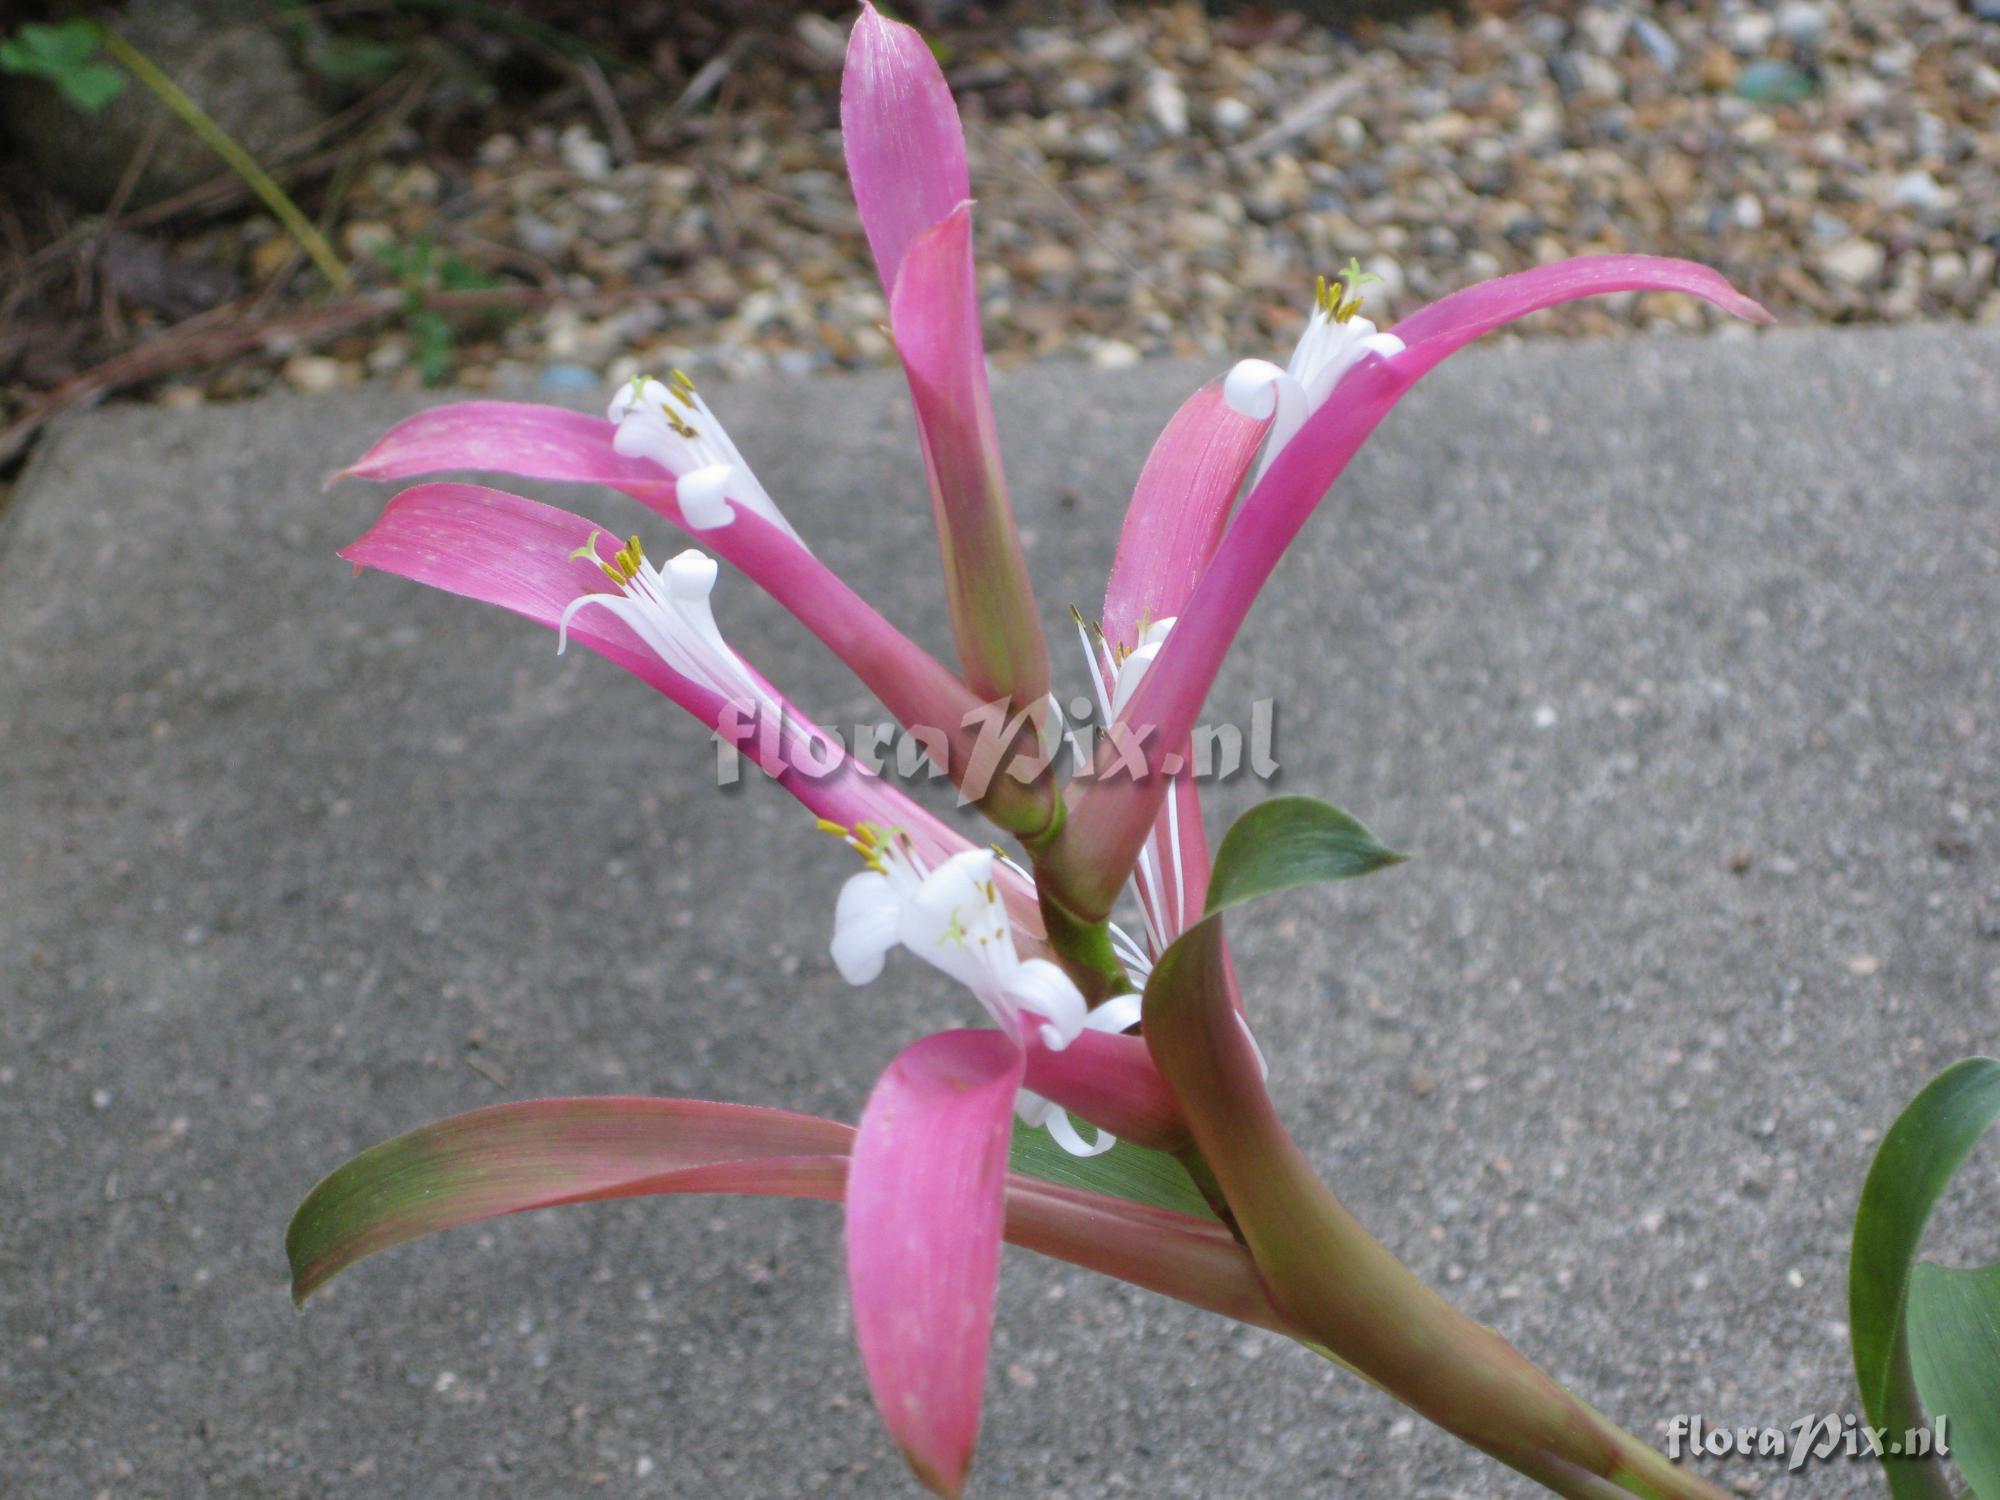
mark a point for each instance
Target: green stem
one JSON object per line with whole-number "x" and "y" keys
{"x": 1341, "y": 1288}
{"x": 224, "y": 145}
{"x": 1084, "y": 948}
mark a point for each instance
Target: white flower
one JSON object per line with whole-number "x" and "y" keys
{"x": 669, "y": 423}
{"x": 954, "y": 919}
{"x": 1335, "y": 341}
{"x": 668, "y": 610}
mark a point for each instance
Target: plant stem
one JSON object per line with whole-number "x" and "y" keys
{"x": 1341, "y": 1288}
{"x": 1084, "y": 948}
{"x": 224, "y": 145}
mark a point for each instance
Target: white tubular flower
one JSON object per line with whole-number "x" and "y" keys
{"x": 668, "y": 609}
{"x": 1335, "y": 341}
{"x": 669, "y": 423}
{"x": 954, "y": 919}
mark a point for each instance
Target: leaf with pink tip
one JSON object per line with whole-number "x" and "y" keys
{"x": 1115, "y": 814}
{"x": 507, "y": 437}
{"x": 1178, "y": 511}
{"x": 542, "y": 1153}
{"x": 1464, "y": 315}
{"x": 550, "y": 443}
{"x": 925, "y": 1194}
{"x": 899, "y": 129}
{"x": 514, "y": 1157}
{"x": 934, "y": 315}
{"x": 516, "y": 553}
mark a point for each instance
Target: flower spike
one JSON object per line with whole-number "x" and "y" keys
{"x": 1088, "y": 861}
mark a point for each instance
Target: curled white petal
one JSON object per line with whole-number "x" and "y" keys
{"x": 1041, "y": 987}
{"x": 1118, "y": 1014}
{"x": 673, "y": 426}
{"x": 1132, "y": 670}
{"x": 1066, "y": 1136}
{"x": 702, "y": 497}
{"x": 1251, "y": 388}
{"x": 1030, "y": 1108}
{"x": 865, "y": 924}
{"x": 1326, "y": 351}
{"x": 690, "y": 576}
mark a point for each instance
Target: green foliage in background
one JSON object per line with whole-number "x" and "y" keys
{"x": 67, "y": 57}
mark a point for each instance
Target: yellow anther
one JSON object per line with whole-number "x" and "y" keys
{"x": 624, "y": 564}
{"x": 865, "y": 839}
{"x": 682, "y": 385}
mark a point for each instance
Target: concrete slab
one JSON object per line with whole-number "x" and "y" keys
{"x": 1674, "y": 661}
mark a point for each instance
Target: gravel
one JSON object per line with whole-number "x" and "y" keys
{"x": 1157, "y": 181}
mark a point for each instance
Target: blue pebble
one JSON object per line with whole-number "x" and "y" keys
{"x": 569, "y": 378}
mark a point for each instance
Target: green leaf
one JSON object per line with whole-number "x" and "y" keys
{"x": 1917, "y": 1158}
{"x": 1126, "y": 1171}
{"x": 542, "y": 1152}
{"x": 51, "y": 50}
{"x": 92, "y": 86}
{"x": 1955, "y": 1346}
{"x": 1289, "y": 842}
{"x": 357, "y": 61}
{"x": 66, "y": 56}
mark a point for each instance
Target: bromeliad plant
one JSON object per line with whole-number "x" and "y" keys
{"x": 1186, "y": 1182}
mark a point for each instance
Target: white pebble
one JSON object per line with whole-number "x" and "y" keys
{"x": 1114, "y": 354}
{"x": 1229, "y": 114}
{"x": 1167, "y": 102}
{"x": 1853, "y": 262}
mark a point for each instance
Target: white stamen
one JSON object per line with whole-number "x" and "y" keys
{"x": 1116, "y": 682}
{"x": 669, "y": 423}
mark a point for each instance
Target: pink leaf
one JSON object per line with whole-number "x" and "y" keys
{"x": 1111, "y": 1082}
{"x": 517, "y": 553}
{"x": 924, "y": 1210}
{"x": 510, "y": 437}
{"x": 934, "y": 314}
{"x": 543, "y": 1152}
{"x": 550, "y": 443}
{"x": 1115, "y": 814}
{"x": 1464, "y": 315}
{"x": 1177, "y": 513}
{"x": 899, "y": 128}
